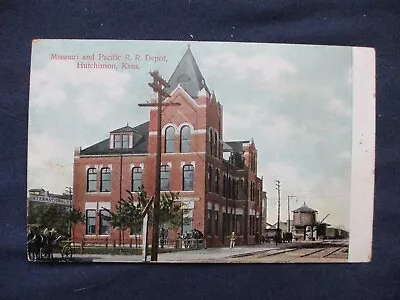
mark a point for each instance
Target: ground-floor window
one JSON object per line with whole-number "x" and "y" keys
{"x": 239, "y": 220}
{"x": 225, "y": 230}
{"x": 104, "y": 222}
{"x": 257, "y": 226}
{"x": 216, "y": 225}
{"x": 233, "y": 222}
{"x": 251, "y": 221}
{"x": 229, "y": 223}
{"x": 188, "y": 223}
{"x": 90, "y": 222}
{"x": 208, "y": 223}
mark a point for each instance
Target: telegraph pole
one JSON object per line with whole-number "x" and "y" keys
{"x": 68, "y": 190}
{"x": 278, "y": 187}
{"x": 158, "y": 85}
{"x": 288, "y": 210}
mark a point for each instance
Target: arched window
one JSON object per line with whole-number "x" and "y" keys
{"x": 188, "y": 178}
{"x": 215, "y": 144}
{"x": 185, "y": 139}
{"x": 170, "y": 140}
{"x": 164, "y": 178}
{"x": 136, "y": 179}
{"x": 105, "y": 184}
{"x": 91, "y": 180}
{"x": 209, "y": 179}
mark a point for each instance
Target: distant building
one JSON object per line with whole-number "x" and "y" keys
{"x": 216, "y": 178}
{"x": 41, "y": 197}
{"x": 283, "y": 226}
{"x": 336, "y": 233}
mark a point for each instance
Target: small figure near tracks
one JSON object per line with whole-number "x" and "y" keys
{"x": 233, "y": 239}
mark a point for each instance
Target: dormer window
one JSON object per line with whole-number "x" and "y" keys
{"x": 121, "y": 141}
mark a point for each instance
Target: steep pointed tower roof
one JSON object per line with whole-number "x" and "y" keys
{"x": 188, "y": 75}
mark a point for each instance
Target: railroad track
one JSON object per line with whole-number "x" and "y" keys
{"x": 296, "y": 255}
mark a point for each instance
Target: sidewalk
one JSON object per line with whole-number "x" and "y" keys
{"x": 189, "y": 256}
{"x": 204, "y": 255}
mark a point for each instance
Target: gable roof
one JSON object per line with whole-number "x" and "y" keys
{"x": 188, "y": 75}
{"x": 126, "y": 128}
{"x": 140, "y": 142}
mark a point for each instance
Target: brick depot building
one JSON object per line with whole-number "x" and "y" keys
{"x": 217, "y": 179}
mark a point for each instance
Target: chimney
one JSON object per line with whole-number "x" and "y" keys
{"x": 77, "y": 152}
{"x": 202, "y": 97}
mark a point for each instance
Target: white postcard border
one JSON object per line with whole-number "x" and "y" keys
{"x": 363, "y": 155}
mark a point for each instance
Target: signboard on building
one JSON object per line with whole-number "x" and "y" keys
{"x": 49, "y": 200}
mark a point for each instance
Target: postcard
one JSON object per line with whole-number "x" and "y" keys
{"x": 200, "y": 152}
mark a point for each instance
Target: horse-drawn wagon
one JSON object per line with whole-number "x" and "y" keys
{"x": 43, "y": 245}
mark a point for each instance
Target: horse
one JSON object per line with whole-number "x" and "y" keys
{"x": 49, "y": 244}
{"x": 34, "y": 244}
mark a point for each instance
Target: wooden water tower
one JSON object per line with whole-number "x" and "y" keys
{"x": 304, "y": 217}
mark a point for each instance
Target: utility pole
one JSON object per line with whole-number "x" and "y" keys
{"x": 278, "y": 187}
{"x": 288, "y": 210}
{"x": 68, "y": 190}
{"x": 158, "y": 85}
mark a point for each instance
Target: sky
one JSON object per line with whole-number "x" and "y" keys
{"x": 295, "y": 101}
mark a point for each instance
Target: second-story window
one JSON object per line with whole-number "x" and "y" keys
{"x": 229, "y": 188}
{"x": 211, "y": 141}
{"x": 188, "y": 178}
{"x": 164, "y": 184}
{"x": 91, "y": 180}
{"x": 136, "y": 179}
{"x": 105, "y": 185}
{"x": 209, "y": 177}
{"x": 233, "y": 189}
{"x": 224, "y": 184}
{"x": 216, "y": 181}
{"x": 170, "y": 140}
{"x": 215, "y": 144}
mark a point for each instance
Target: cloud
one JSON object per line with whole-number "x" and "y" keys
{"x": 92, "y": 92}
{"x": 265, "y": 69}
{"x": 339, "y": 108}
{"x": 50, "y": 162}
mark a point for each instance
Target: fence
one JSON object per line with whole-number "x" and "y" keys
{"x": 106, "y": 243}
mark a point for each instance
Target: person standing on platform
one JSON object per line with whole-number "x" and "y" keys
{"x": 233, "y": 240}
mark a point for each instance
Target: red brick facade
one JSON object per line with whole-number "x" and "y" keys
{"x": 238, "y": 204}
